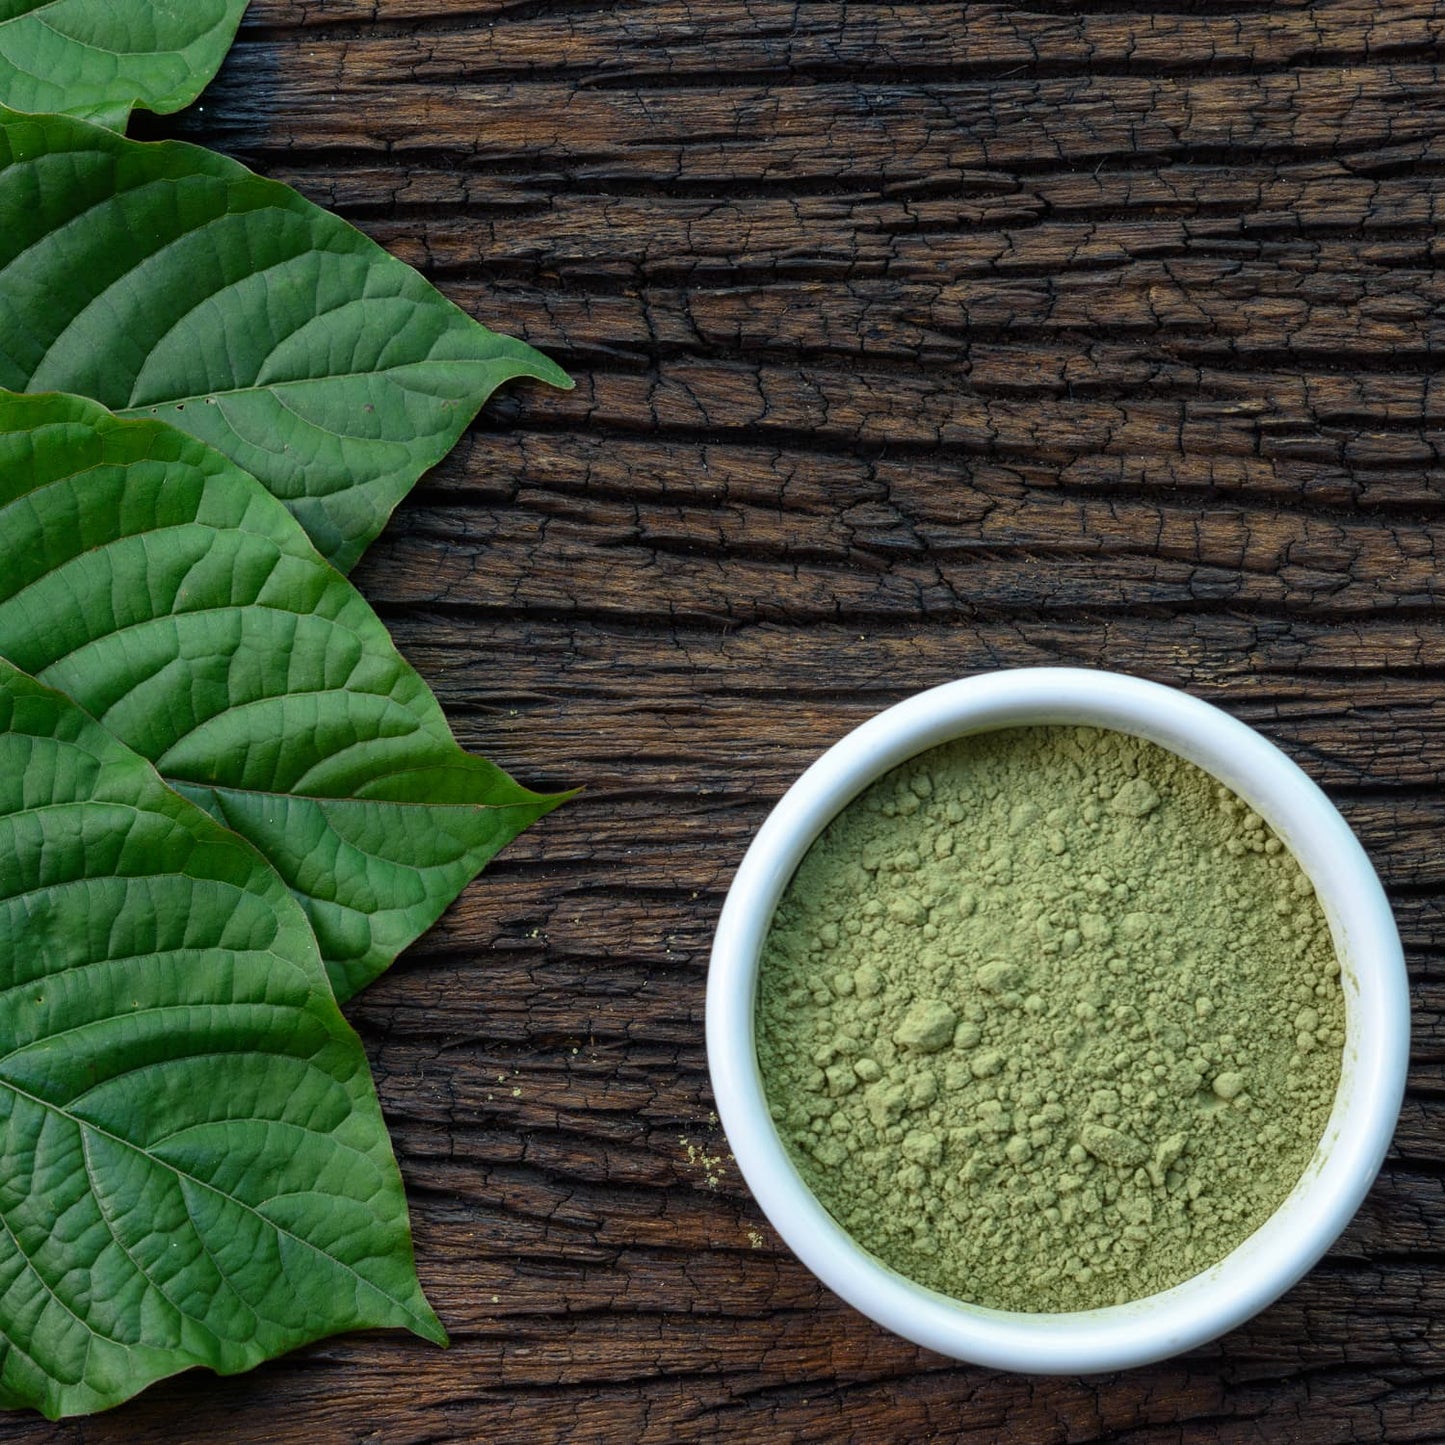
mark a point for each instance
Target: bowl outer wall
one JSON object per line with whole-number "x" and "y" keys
{"x": 1377, "y": 1026}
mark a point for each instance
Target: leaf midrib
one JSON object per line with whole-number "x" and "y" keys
{"x": 150, "y": 408}
{"x": 38, "y": 15}
{"x": 40, "y": 980}
{"x": 81, "y": 1125}
{"x": 111, "y": 199}
{"x": 31, "y": 13}
{"x": 321, "y": 798}
{"x": 133, "y": 407}
{"x": 292, "y": 794}
{"x": 75, "y": 40}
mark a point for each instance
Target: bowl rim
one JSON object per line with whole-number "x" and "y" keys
{"x": 1366, "y": 940}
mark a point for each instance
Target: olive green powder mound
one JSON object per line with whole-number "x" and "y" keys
{"x": 1049, "y": 1020}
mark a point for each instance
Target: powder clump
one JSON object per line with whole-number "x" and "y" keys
{"x": 927, "y": 1026}
{"x": 1049, "y": 1019}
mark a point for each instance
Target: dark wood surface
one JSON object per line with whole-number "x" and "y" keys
{"x": 911, "y": 340}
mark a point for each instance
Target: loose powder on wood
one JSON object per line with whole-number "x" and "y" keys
{"x": 1049, "y": 1020}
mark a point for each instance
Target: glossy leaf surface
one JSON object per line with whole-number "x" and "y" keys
{"x": 165, "y": 281}
{"x": 100, "y": 58}
{"x": 182, "y": 606}
{"x": 193, "y": 1165}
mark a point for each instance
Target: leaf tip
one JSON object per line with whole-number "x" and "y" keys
{"x": 549, "y": 372}
{"x": 549, "y": 802}
{"x": 427, "y": 1326}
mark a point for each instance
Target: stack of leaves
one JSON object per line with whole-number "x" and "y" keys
{"x": 226, "y": 801}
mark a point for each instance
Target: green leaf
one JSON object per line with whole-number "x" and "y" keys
{"x": 166, "y": 281}
{"x": 180, "y": 604}
{"x": 100, "y": 58}
{"x": 193, "y": 1164}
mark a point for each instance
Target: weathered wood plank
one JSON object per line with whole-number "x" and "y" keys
{"x": 441, "y": 43}
{"x": 741, "y": 535}
{"x": 1280, "y": 414}
{"x": 832, "y": 133}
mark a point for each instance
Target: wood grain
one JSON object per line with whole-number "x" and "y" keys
{"x": 911, "y": 340}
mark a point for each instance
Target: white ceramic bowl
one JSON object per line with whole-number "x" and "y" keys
{"x": 1376, "y": 1004}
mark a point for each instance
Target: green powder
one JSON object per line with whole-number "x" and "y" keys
{"x": 1049, "y": 1020}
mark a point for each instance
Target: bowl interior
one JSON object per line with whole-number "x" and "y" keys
{"x": 1367, "y": 1101}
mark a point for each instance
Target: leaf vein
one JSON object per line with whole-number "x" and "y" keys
{"x": 361, "y": 1281}
{"x": 110, "y": 1229}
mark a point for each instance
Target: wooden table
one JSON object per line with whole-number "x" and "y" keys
{"x": 911, "y": 340}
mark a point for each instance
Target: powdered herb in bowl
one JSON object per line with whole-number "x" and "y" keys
{"x": 1057, "y": 1020}
{"x": 1049, "y": 1019}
